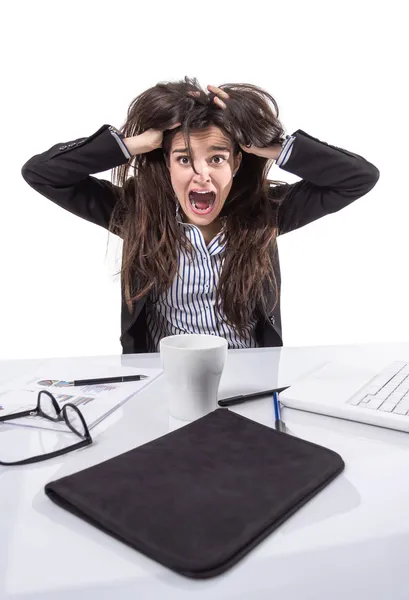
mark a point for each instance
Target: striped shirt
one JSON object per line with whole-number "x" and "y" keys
{"x": 189, "y": 305}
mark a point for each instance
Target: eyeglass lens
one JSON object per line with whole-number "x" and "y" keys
{"x": 47, "y": 406}
{"x": 75, "y": 421}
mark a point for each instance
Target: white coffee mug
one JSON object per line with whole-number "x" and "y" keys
{"x": 193, "y": 366}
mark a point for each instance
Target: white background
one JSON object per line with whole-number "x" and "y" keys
{"x": 337, "y": 70}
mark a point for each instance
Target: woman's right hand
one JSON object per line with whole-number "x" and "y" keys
{"x": 149, "y": 140}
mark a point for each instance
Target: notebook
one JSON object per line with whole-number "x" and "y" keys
{"x": 198, "y": 499}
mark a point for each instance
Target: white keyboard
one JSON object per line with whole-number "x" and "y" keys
{"x": 388, "y": 391}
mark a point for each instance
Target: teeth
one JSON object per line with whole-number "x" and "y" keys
{"x": 194, "y": 205}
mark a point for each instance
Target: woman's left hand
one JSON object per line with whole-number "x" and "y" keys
{"x": 271, "y": 152}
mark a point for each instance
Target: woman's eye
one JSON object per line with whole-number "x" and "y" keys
{"x": 220, "y": 157}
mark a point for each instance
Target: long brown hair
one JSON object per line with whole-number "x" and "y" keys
{"x": 144, "y": 215}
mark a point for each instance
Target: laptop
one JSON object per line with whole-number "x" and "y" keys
{"x": 373, "y": 392}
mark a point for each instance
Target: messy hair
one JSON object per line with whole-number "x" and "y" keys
{"x": 145, "y": 215}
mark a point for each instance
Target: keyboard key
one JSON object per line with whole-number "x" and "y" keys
{"x": 400, "y": 410}
{"x": 372, "y": 389}
{"x": 365, "y": 399}
{"x": 387, "y": 407}
{"x": 374, "y": 403}
{"x": 383, "y": 394}
{"x": 355, "y": 400}
{"x": 396, "y": 395}
{"x": 404, "y": 403}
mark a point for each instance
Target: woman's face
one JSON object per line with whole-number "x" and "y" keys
{"x": 202, "y": 195}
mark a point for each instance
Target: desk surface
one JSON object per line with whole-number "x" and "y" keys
{"x": 352, "y": 540}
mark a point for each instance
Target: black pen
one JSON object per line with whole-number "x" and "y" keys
{"x": 247, "y": 397}
{"x": 106, "y": 380}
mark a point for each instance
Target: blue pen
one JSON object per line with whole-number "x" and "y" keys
{"x": 279, "y": 424}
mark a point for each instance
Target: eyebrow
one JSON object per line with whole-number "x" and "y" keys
{"x": 210, "y": 148}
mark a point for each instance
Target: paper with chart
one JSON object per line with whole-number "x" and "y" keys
{"x": 94, "y": 401}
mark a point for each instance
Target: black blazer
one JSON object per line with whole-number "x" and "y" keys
{"x": 331, "y": 178}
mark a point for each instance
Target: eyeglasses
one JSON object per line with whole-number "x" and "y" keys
{"x": 47, "y": 407}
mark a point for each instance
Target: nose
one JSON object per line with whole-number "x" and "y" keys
{"x": 202, "y": 174}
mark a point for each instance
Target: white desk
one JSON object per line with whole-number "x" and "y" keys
{"x": 351, "y": 541}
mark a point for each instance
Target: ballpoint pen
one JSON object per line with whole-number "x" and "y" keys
{"x": 279, "y": 423}
{"x": 106, "y": 380}
{"x": 246, "y": 397}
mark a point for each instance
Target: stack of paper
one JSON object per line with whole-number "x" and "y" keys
{"x": 94, "y": 401}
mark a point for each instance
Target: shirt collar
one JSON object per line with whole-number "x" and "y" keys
{"x": 218, "y": 239}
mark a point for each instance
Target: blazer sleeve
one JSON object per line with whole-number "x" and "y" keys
{"x": 332, "y": 178}
{"x": 63, "y": 174}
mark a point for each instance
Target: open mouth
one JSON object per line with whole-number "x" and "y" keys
{"x": 202, "y": 203}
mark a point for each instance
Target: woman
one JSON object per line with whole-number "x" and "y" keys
{"x": 192, "y": 203}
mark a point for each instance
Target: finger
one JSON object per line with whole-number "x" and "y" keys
{"x": 249, "y": 148}
{"x": 218, "y": 91}
{"x": 219, "y": 102}
{"x": 194, "y": 93}
{"x": 175, "y": 125}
